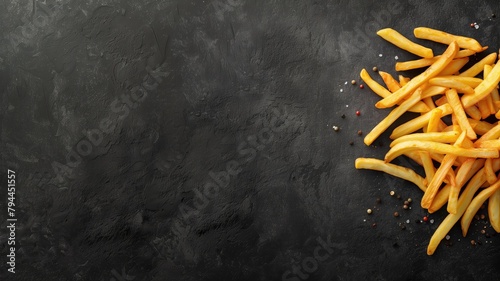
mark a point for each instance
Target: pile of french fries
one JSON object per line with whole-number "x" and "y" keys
{"x": 459, "y": 157}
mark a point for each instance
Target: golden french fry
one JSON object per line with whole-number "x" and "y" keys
{"x": 437, "y": 180}
{"x": 443, "y": 137}
{"x": 414, "y": 64}
{"x": 473, "y": 112}
{"x": 480, "y": 127}
{"x": 404, "y": 43}
{"x": 403, "y": 80}
{"x": 491, "y": 178}
{"x": 391, "y": 83}
{"x": 418, "y": 122}
{"x": 393, "y": 116}
{"x": 458, "y": 110}
{"x": 490, "y": 144}
{"x": 482, "y": 105}
{"x": 391, "y": 169}
{"x": 446, "y": 38}
{"x": 494, "y": 210}
{"x": 479, "y": 66}
{"x": 434, "y": 120}
{"x": 433, "y": 91}
{"x": 437, "y": 147}
{"x": 429, "y": 169}
{"x": 493, "y": 96}
{"x": 454, "y": 66}
{"x": 489, "y": 83}
{"x": 383, "y": 92}
{"x": 452, "y": 83}
{"x": 420, "y": 79}
{"x": 493, "y": 133}
{"x": 465, "y": 172}
{"x": 475, "y": 204}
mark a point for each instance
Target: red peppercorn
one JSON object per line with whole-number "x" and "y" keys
{"x": 425, "y": 218}
{"x": 358, "y": 112}
{"x": 471, "y": 24}
{"x": 361, "y": 86}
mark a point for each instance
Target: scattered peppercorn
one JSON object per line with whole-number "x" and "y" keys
{"x": 396, "y": 214}
{"x": 369, "y": 211}
{"x": 375, "y": 68}
{"x": 405, "y": 207}
{"x": 358, "y": 112}
{"x": 379, "y": 200}
{"x": 351, "y": 143}
{"x": 403, "y": 227}
{"x": 353, "y": 82}
{"x": 493, "y": 15}
{"x": 392, "y": 193}
{"x": 471, "y": 24}
{"x": 361, "y": 86}
{"x": 406, "y": 202}
{"x": 360, "y": 132}
{"x": 343, "y": 116}
{"x": 409, "y": 200}
{"x": 374, "y": 225}
{"x": 398, "y": 196}
{"x": 473, "y": 242}
{"x": 425, "y": 218}
{"x": 482, "y": 216}
{"x": 483, "y": 231}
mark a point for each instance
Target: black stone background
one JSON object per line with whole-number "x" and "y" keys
{"x": 256, "y": 82}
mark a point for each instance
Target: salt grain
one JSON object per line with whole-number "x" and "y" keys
{"x": 380, "y": 55}
{"x": 396, "y": 57}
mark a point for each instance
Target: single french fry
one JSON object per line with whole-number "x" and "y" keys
{"x": 454, "y": 66}
{"x": 443, "y": 137}
{"x": 452, "y": 83}
{"x": 480, "y": 127}
{"x": 490, "y": 144}
{"x": 493, "y": 133}
{"x": 414, "y": 64}
{"x": 491, "y": 178}
{"x": 437, "y": 147}
{"x": 391, "y": 169}
{"x": 429, "y": 168}
{"x": 429, "y": 102}
{"x": 494, "y": 210}
{"x": 393, "y": 116}
{"x": 437, "y": 180}
{"x": 404, "y": 43}
{"x": 433, "y": 124}
{"x": 418, "y": 122}
{"x": 464, "y": 173}
{"x": 433, "y": 91}
{"x": 494, "y": 93}
{"x": 383, "y": 92}
{"x": 403, "y": 80}
{"x": 420, "y": 79}
{"x": 482, "y": 105}
{"x": 479, "y": 66}
{"x": 475, "y": 204}
{"x": 489, "y": 83}
{"x": 447, "y": 38}
{"x": 391, "y": 83}
{"x": 473, "y": 112}
{"x": 454, "y": 101}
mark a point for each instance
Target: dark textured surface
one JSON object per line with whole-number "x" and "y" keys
{"x": 248, "y": 92}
